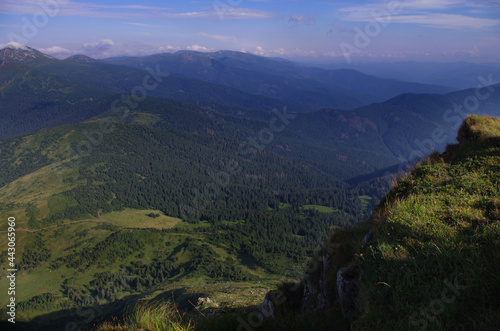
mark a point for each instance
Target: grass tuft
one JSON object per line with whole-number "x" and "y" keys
{"x": 157, "y": 315}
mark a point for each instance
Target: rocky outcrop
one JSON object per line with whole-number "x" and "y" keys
{"x": 367, "y": 238}
{"x": 326, "y": 292}
{"x": 333, "y": 278}
{"x": 349, "y": 290}
{"x": 267, "y": 307}
{"x": 207, "y": 302}
{"x": 288, "y": 297}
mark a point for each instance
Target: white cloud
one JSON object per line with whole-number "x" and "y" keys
{"x": 142, "y": 24}
{"x": 130, "y": 7}
{"x": 431, "y": 4}
{"x": 423, "y": 12}
{"x": 87, "y": 9}
{"x": 282, "y": 52}
{"x": 167, "y": 49}
{"x": 199, "y": 48}
{"x": 14, "y": 45}
{"x": 450, "y": 21}
{"x": 225, "y": 13}
{"x": 56, "y": 50}
{"x": 219, "y": 37}
{"x": 66, "y": 7}
{"x": 259, "y": 50}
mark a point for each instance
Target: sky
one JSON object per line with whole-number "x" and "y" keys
{"x": 337, "y": 31}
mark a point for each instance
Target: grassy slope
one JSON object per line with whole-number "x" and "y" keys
{"x": 72, "y": 237}
{"x": 440, "y": 225}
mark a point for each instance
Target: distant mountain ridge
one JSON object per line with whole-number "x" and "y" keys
{"x": 80, "y": 58}
{"x": 353, "y": 145}
{"x": 21, "y": 54}
{"x": 277, "y": 78}
{"x": 281, "y": 79}
{"x": 459, "y": 75}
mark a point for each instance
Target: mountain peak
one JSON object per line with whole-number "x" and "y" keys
{"x": 80, "y": 58}
{"x": 19, "y": 53}
{"x": 14, "y": 45}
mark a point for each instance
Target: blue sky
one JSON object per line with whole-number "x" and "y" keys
{"x": 421, "y": 30}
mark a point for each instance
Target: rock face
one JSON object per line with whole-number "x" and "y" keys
{"x": 326, "y": 293}
{"x": 331, "y": 279}
{"x": 349, "y": 290}
{"x": 367, "y": 238}
{"x": 287, "y": 298}
{"x": 267, "y": 308}
{"x": 319, "y": 280}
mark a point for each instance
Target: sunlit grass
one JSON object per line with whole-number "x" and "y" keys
{"x": 158, "y": 316}
{"x": 134, "y": 218}
{"x": 439, "y": 226}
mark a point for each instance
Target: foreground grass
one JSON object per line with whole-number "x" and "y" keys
{"x": 165, "y": 315}
{"x": 435, "y": 260}
{"x": 161, "y": 316}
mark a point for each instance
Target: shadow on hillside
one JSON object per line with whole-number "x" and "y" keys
{"x": 85, "y": 318}
{"x": 485, "y": 147}
{"x": 82, "y": 318}
{"x": 180, "y": 296}
{"x": 377, "y": 174}
{"x": 453, "y": 152}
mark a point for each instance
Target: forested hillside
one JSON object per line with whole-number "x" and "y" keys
{"x": 426, "y": 259}
{"x": 160, "y": 201}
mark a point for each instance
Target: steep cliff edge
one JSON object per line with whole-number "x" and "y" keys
{"x": 427, "y": 259}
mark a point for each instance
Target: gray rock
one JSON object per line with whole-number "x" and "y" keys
{"x": 325, "y": 295}
{"x": 368, "y": 237}
{"x": 267, "y": 307}
{"x": 349, "y": 290}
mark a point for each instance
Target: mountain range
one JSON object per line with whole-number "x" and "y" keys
{"x": 238, "y": 82}
{"x": 43, "y": 91}
{"x": 310, "y": 88}
{"x": 459, "y": 75}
